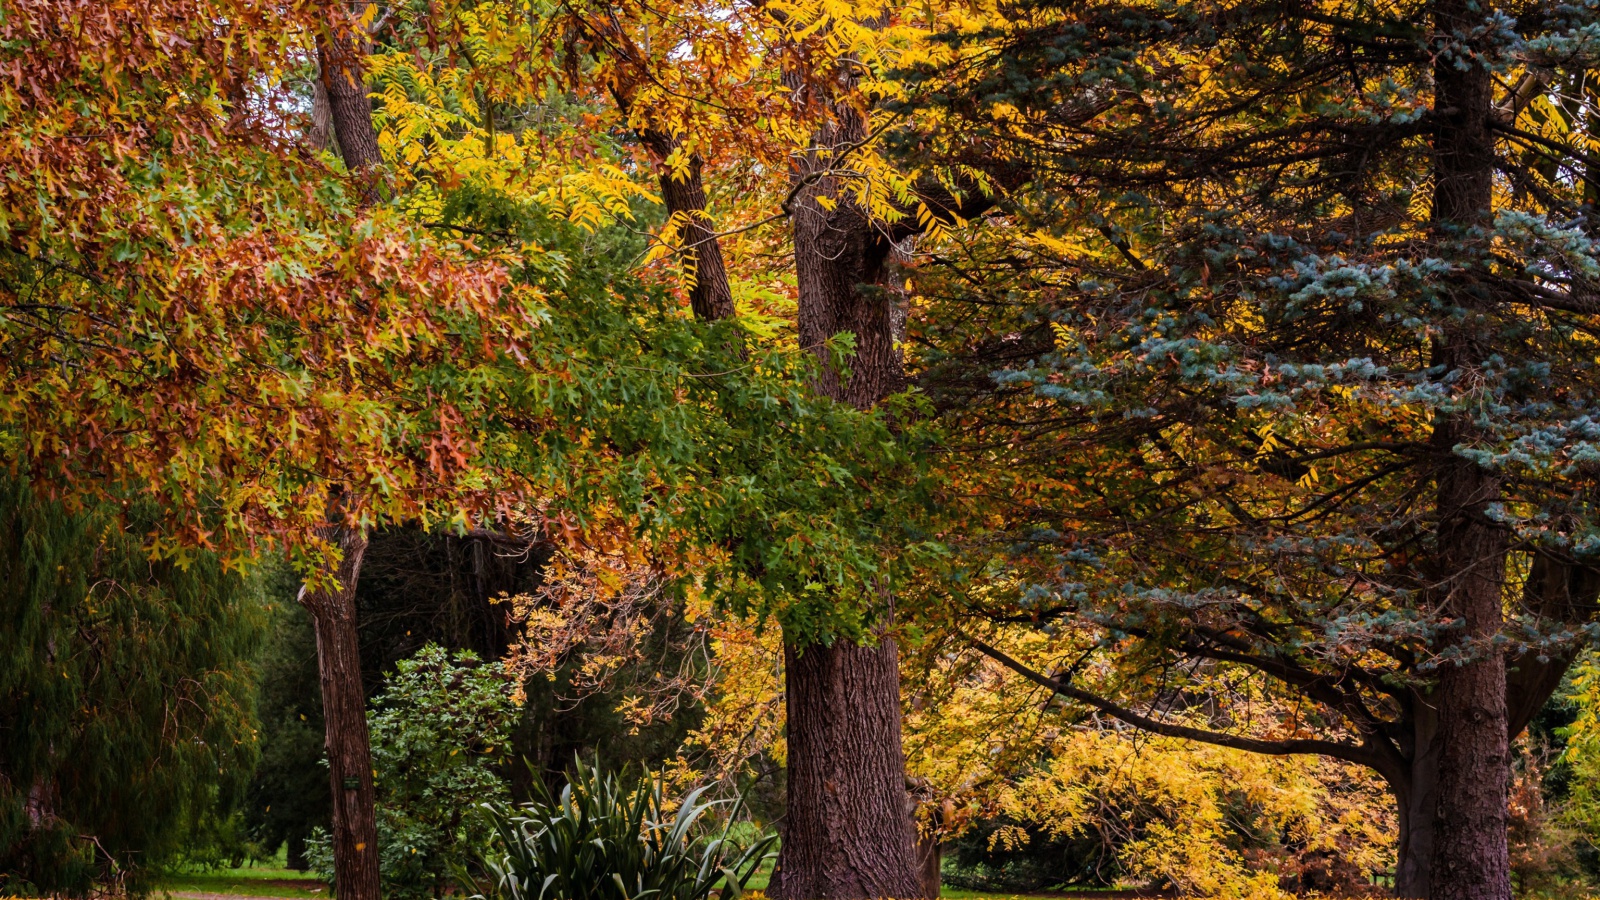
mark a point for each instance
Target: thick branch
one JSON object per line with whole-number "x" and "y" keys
{"x": 684, "y": 193}
{"x": 1336, "y": 749}
{"x": 1557, "y": 591}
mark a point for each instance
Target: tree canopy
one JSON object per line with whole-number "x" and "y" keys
{"x": 1225, "y": 369}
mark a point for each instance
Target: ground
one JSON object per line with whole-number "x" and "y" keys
{"x": 270, "y": 882}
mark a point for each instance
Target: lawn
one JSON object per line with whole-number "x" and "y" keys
{"x": 250, "y": 881}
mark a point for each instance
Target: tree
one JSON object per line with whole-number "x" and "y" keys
{"x": 127, "y": 695}
{"x": 441, "y": 730}
{"x": 168, "y": 330}
{"x": 1029, "y": 792}
{"x": 795, "y": 89}
{"x": 399, "y": 371}
{"x": 198, "y": 310}
{"x": 1299, "y": 379}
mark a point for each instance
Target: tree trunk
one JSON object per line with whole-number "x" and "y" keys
{"x": 929, "y": 858}
{"x": 710, "y": 293}
{"x": 344, "y": 710}
{"x": 1416, "y": 793}
{"x": 846, "y": 833}
{"x": 1470, "y": 858}
{"x": 682, "y": 192}
{"x": 340, "y": 52}
{"x": 1559, "y": 593}
{"x": 320, "y": 134}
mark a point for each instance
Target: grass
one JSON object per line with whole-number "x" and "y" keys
{"x": 759, "y": 881}
{"x": 250, "y": 881}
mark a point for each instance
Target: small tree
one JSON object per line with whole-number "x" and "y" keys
{"x": 127, "y": 696}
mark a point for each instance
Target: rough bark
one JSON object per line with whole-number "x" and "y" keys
{"x": 846, "y": 833}
{"x": 320, "y": 135}
{"x": 1470, "y": 859}
{"x": 929, "y": 857}
{"x": 839, "y": 267}
{"x": 340, "y": 50}
{"x": 684, "y": 194}
{"x": 1416, "y": 793}
{"x": 344, "y": 709}
{"x": 333, "y": 614}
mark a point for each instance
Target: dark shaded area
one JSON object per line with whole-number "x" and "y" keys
{"x": 1044, "y": 862}
{"x": 125, "y": 699}
{"x": 418, "y": 588}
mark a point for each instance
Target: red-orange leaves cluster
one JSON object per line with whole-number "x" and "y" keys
{"x": 193, "y": 306}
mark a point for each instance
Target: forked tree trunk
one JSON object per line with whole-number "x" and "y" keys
{"x": 1470, "y": 858}
{"x": 1557, "y": 592}
{"x": 344, "y": 710}
{"x": 846, "y": 833}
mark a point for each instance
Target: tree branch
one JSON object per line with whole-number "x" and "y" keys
{"x": 1336, "y": 749}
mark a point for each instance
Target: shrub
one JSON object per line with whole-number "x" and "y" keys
{"x": 605, "y": 840}
{"x": 441, "y": 731}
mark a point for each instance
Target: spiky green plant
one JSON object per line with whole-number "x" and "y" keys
{"x": 606, "y": 839}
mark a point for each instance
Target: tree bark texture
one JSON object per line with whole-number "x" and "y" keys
{"x": 683, "y": 194}
{"x": 930, "y": 857}
{"x": 846, "y": 831}
{"x": 1559, "y": 593}
{"x": 320, "y": 134}
{"x": 840, "y": 262}
{"x": 710, "y": 293}
{"x": 1416, "y": 793}
{"x": 1470, "y": 857}
{"x": 333, "y": 614}
{"x": 344, "y": 710}
{"x": 340, "y": 51}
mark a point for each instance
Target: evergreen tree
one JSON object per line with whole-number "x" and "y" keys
{"x": 126, "y": 701}
{"x": 1294, "y": 376}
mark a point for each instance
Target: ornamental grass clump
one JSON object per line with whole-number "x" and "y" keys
{"x": 605, "y": 838}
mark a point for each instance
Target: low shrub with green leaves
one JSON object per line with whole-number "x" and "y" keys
{"x": 606, "y": 838}
{"x": 441, "y": 735}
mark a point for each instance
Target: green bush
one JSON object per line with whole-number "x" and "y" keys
{"x": 604, "y": 840}
{"x": 441, "y": 732}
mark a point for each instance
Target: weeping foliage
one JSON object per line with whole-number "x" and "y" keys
{"x": 127, "y": 696}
